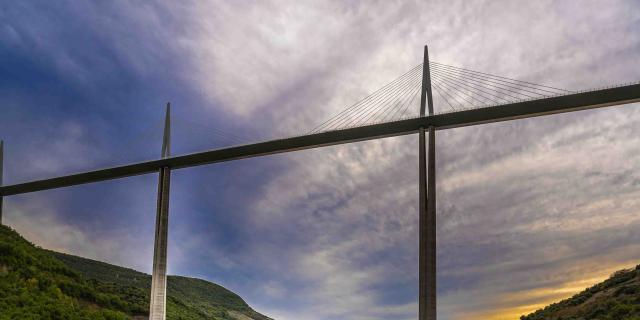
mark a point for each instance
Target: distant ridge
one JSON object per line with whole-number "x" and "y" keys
{"x": 617, "y": 298}
{"x": 43, "y": 284}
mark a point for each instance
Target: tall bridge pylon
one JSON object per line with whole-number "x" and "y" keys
{"x": 427, "y": 201}
{"x": 158, "y": 304}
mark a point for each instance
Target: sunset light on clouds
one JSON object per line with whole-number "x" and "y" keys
{"x": 524, "y": 220}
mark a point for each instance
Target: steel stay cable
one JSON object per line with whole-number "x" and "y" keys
{"x": 317, "y": 128}
{"x": 348, "y": 118}
{"x": 478, "y": 91}
{"x": 408, "y": 104}
{"x": 398, "y": 103}
{"x": 488, "y": 86}
{"x": 459, "y": 92}
{"x": 500, "y": 77}
{"x": 383, "y": 103}
{"x": 536, "y": 86}
{"x": 375, "y": 99}
{"x": 466, "y": 83}
{"x": 402, "y": 102}
{"x": 375, "y": 103}
{"x": 390, "y": 100}
{"x": 443, "y": 98}
{"x": 499, "y": 81}
{"x": 456, "y": 100}
{"x": 464, "y": 92}
{"x": 411, "y": 101}
{"x": 496, "y": 84}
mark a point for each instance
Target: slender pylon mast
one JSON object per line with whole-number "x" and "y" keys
{"x": 427, "y": 204}
{"x": 158, "y": 304}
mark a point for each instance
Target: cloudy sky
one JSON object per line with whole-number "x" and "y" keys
{"x": 529, "y": 211}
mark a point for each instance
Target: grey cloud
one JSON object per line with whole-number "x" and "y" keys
{"x": 496, "y": 182}
{"x": 520, "y": 207}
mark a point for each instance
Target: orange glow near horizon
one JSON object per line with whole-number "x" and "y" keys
{"x": 515, "y": 304}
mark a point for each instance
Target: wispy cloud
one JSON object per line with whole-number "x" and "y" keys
{"x": 39, "y": 222}
{"x": 528, "y": 210}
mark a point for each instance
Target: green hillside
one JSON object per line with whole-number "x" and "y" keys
{"x": 617, "y": 298}
{"x": 41, "y": 284}
{"x": 208, "y": 299}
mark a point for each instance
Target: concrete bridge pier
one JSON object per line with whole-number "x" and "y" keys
{"x": 158, "y": 307}
{"x": 427, "y": 296}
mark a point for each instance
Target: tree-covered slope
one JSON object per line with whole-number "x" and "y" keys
{"x": 41, "y": 284}
{"x": 617, "y": 298}
{"x": 35, "y": 285}
{"x": 208, "y": 299}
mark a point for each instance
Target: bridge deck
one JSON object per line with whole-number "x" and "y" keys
{"x": 525, "y": 109}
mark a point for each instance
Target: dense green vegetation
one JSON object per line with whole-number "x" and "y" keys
{"x": 40, "y": 284}
{"x": 187, "y": 298}
{"x": 617, "y": 298}
{"x": 35, "y": 285}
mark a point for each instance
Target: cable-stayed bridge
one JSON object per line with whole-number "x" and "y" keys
{"x": 445, "y": 96}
